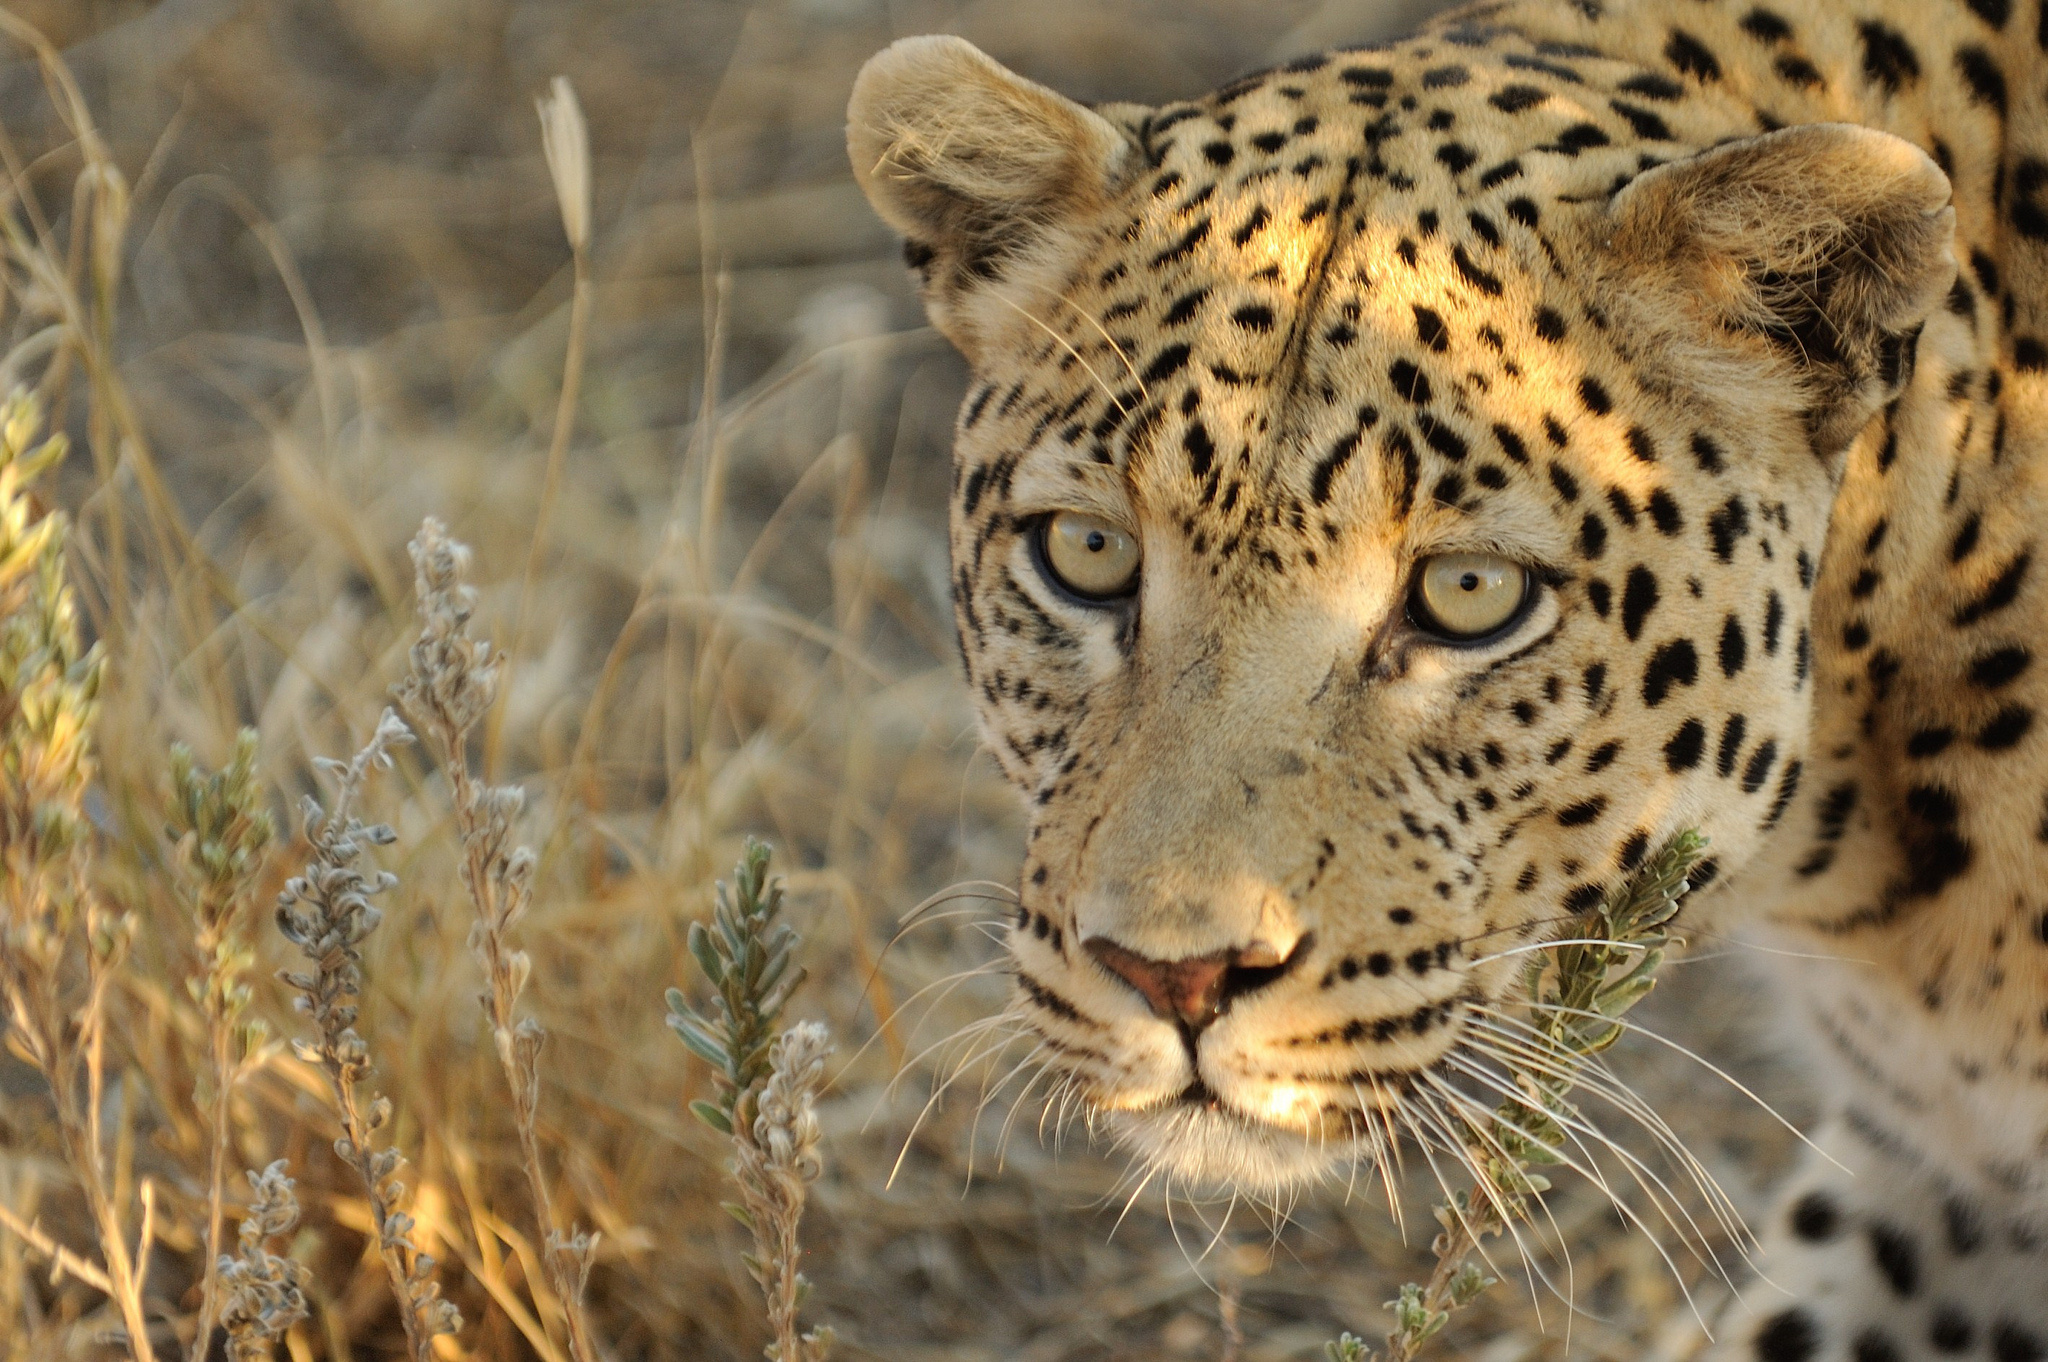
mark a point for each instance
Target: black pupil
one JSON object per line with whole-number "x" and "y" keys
{"x": 1469, "y": 582}
{"x": 1097, "y": 541}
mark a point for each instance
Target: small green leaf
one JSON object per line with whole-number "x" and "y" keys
{"x": 711, "y": 1116}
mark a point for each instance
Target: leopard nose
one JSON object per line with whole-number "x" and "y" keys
{"x": 1195, "y": 990}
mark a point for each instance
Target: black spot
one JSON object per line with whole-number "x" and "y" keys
{"x": 1269, "y": 142}
{"x": 1731, "y": 744}
{"x": 1579, "y": 137}
{"x": 1691, "y": 56}
{"x": 1999, "y": 667}
{"x": 1788, "y": 1336}
{"x": 1600, "y": 595}
{"x": 1643, "y": 447}
{"x": 1674, "y": 663}
{"x": 1549, "y": 325}
{"x": 1798, "y": 71}
{"x": 1515, "y": 98}
{"x": 1185, "y": 246}
{"x": 1329, "y": 466}
{"x": 1618, "y": 501}
{"x": 1567, "y": 486}
{"x": 1815, "y": 1218}
{"x": 1872, "y": 1346}
{"x": 1511, "y": 444}
{"x": 1254, "y": 317}
{"x": 1682, "y": 751}
{"x": 1583, "y": 812}
{"x": 1583, "y": 898}
{"x": 1522, "y": 210}
{"x": 1445, "y": 78}
{"x": 1633, "y": 850}
{"x": 1992, "y": 12}
{"x": 1166, "y": 363}
{"x": 2029, "y": 354}
{"x": 1652, "y": 86}
{"x": 1367, "y": 77}
{"x": 1664, "y": 513}
{"x": 1980, "y": 72}
{"x": 1448, "y": 489}
{"x": 2006, "y": 728}
{"x": 1594, "y": 680}
{"x": 1219, "y": 153}
{"x": 1410, "y": 382}
{"x": 1592, "y": 536}
{"x": 1594, "y": 397}
{"x": 1734, "y": 649}
{"x": 2012, "y": 1343}
{"x": 1430, "y": 329}
{"x": 1706, "y": 453}
{"x": 1456, "y": 157}
{"x": 2003, "y": 590}
{"x": 1951, "y": 1330}
{"x": 1774, "y": 621}
{"x": 1897, "y": 1256}
{"x": 1759, "y": 768}
{"x": 1888, "y": 59}
{"x": 1201, "y": 450}
{"x": 1601, "y": 757}
{"x": 1642, "y": 122}
{"x": 1638, "y": 599}
{"x": 1491, "y": 476}
{"x": 1928, "y": 742}
{"x": 1488, "y": 284}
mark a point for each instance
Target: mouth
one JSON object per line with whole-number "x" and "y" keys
{"x": 1200, "y": 1142}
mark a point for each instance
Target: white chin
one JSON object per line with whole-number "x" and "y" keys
{"x": 1203, "y": 1148}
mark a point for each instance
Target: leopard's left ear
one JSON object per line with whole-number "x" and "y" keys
{"x": 1829, "y": 244}
{"x": 982, "y": 170}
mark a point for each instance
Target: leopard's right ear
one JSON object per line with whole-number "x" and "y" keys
{"x": 985, "y": 173}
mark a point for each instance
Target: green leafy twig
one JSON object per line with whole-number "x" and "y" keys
{"x": 1577, "y": 994}
{"x": 750, "y": 960}
{"x": 768, "y": 1086}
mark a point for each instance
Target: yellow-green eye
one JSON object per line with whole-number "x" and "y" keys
{"x": 1089, "y": 556}
{"x": 1465, "y": 596}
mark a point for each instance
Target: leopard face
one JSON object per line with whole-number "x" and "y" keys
{"x": 1386, "y": 510}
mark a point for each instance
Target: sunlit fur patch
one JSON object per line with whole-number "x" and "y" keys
{"x": 1203, "y": 1147}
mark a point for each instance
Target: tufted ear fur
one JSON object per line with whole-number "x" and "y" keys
{"x": 1829, "y": 242}
{"x": 978, "y": 167}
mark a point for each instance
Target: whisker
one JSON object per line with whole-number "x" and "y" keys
{"x": 1701, "y": 1060}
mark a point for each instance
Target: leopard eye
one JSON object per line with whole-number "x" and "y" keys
{"x": 1089, "y": 557}
{"x": 1466, "y": 596}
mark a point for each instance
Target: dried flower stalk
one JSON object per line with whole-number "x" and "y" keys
{"x": 450, "y": 687}
{"x": 220, "y": 832}
{"x": 264, "y": 1294}
{"x": 768, "y": 1086}
{"x": 61, "y": 942}
{"x": 326, "y": 912}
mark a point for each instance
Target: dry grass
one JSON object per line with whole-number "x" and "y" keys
{"x": 302, "y": 280}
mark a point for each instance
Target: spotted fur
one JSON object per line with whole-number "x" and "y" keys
{"x": 1730, "y": 320}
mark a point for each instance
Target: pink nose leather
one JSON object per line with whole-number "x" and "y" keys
{"x": 1189, "y": 991}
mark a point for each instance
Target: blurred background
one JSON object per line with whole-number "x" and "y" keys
{"x": 340, "y": 300}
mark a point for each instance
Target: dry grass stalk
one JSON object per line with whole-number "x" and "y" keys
{"x": 264, "y": 1294}
{"x": 221, "y": 831}
{"x": 326, "y": 912}
{"x": 565, "y": 141}
{"x": 451, "y": 685}
{"x": 61, "y": 941}
{"x": 768, "y": 1086}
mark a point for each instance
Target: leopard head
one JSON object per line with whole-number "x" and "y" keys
{"x": 1383, "y": 512}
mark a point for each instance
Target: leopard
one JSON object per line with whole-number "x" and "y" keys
{"x": 1398, "y": 492}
